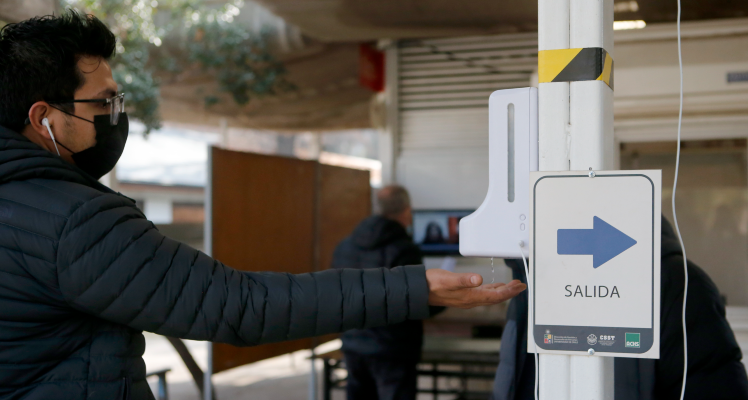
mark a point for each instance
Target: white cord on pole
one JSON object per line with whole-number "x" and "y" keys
{"x": 529, "y": 294}
{"x": 675, "y": 217}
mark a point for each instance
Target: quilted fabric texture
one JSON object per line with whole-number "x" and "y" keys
{"x": 381, "y": 242}
{"x": 83, "y": 273}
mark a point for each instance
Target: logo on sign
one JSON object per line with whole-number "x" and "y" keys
{"x": 591, "y": 339}
{"x": 607, "y": 340}
{"x": 548, "y": 338}
{"x": 633, "y": 340}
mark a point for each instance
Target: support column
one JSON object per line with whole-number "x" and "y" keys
{"x": 591, "y": 102}
{"x": 553, "y": 97}
{"x": 553, "y": 149}
{"x": 312, "y": 395}
{"x": 555, "y": 377}
{"x": 389, "y": 138}
{"x": 208, "y": 248}
{"x": 575, "y": 133}
{"x": 591, "y": 378}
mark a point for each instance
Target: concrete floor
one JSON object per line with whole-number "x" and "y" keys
{"x": 287, "y": 376}
{"x": 279, "y": 378}
{"x": 284, "y": 377}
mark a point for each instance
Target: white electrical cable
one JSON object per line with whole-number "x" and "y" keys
{"x": 529, "y": 294}
{"x": 675, "y": 217}
{"x": 45, "y": 122}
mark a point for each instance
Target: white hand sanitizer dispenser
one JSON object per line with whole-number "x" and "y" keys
{"x": 497, "y": 227}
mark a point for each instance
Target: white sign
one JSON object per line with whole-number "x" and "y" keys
{"x": 595, "y": 263}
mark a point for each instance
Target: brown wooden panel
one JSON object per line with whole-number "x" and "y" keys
{"x": 263, "y": 220}
{"x": 280, "y": 214}
{"x": 344, "y": 201}
{"x": 263, "y": 211}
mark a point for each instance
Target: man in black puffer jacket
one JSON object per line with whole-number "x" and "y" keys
{"x": 715, "y": 371}
{"x": 382, "y": 361}
{"x": 83, "y": 272}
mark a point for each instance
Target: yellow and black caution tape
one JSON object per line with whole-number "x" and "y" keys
{"x": 572, "y": 65}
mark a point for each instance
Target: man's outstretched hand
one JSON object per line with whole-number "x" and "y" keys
{"x": 465, "y": 291}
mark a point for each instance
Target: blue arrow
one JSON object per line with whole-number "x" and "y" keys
{"x": 603, "y": 242}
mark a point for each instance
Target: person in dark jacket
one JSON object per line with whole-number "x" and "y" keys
{"x": 715, "y": 371}
{"x": 83, "y": 272}
{"x": 382, "y": 361}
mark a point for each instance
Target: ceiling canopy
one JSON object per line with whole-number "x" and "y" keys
{"x": 361, "y": 20}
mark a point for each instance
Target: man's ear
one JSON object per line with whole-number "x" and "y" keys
{"x": 37, "y": 113}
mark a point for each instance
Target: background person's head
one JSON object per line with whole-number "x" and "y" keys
{"x": 55, "y": 58}
{"x": 394, "y": 203}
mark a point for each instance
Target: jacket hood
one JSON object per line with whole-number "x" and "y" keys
{"x": 377, "y": 231}
{"x": 21, "y": 159}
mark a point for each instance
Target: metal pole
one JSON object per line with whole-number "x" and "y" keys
{"x": 223, "y": 124}
{"x": 389, "y": 137}
{"x": 575, "y": 133}
{"x": 312, "y": 395}
{"x": 591, "y": 117}
{"x": 553, "y": 97}
{"x": 327, "y": 381}
{"x": 208, "y": 247}
{"x": 207, "y": 381}
{"x": 553, "y": 148}
{"x": 591, "y": 102}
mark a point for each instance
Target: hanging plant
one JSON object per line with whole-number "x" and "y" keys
{"x": 240, "y": 61}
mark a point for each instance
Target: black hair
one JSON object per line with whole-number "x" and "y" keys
{"x": 39, "y": 60}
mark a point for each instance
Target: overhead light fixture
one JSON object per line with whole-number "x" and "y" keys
{"x": 623, "y": 25}
{"x": 626, "y": 6}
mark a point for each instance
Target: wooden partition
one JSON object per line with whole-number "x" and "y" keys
{"x": 280, "y": 214}
{"x": 344, "y": 200}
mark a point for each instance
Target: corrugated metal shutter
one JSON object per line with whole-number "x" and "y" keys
{"x": 444, "y": 85}
{"x": 462, "y": 72}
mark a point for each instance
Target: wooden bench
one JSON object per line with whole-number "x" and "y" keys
{"x": 163, "y": 392}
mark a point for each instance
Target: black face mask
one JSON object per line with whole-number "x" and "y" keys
{"x": 98, "y": 160}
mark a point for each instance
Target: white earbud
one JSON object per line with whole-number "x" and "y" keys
{"x": 45, "y": 122}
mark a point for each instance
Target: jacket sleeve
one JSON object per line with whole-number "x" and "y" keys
{"x": 114, "y": 264}
{"x": 411, "y": 255}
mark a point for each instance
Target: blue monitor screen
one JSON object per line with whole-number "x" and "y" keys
{"x": 437, "y": 232}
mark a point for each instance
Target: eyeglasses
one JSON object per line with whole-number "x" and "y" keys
{"x": 114, "y": 105}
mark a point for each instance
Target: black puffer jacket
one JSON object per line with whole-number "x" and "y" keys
{"x": 82, "y": 273}
{"x": 381, "y": 242}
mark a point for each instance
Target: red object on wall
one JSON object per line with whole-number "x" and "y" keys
{"x": 371, "y": 67}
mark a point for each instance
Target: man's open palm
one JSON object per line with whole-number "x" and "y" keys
{"x": 465, "y": 291}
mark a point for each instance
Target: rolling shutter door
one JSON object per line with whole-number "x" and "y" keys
{"x": 444, "y": 85}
